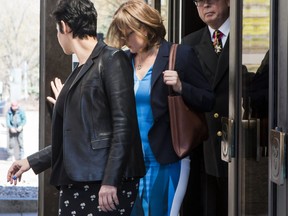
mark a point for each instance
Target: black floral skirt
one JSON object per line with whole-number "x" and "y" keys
{"x": 82, "y": 199}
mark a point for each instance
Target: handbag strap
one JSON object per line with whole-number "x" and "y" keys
{"x": 172, "y": 56}
{"x": 172, "y": 59}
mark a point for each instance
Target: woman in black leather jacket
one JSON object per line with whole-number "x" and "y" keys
{"x": 96, "y": 149}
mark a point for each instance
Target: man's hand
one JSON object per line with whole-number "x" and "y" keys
{"x": 13, "y": 130}
{"x": 19, "y": 129}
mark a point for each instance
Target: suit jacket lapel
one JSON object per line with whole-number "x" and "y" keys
{"x": 217, "y": 65}
{"x": 161, "y": 61}
{"x": 207, "y": 55}
{"x": 223, "y": 64}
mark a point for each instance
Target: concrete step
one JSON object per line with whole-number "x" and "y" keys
{"x": 14, "y": 199}
{"x": 19, "y": 214}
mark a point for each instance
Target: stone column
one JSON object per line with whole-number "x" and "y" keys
{"x": 53, "y": 63}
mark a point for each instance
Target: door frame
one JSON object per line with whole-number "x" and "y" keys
{"x": 235, "y": 94}
{"x": 278, "y": 98}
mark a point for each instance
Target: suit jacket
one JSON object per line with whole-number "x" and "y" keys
{"x": 216, "y": 70}
{"x": 196, "y": 93}
{"x": 101, "y": 140}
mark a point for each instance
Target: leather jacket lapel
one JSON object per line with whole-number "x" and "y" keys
{"x": 95, "y": 53}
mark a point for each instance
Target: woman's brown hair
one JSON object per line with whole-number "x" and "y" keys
{"x": 135, "y": 15}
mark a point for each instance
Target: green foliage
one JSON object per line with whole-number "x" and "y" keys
{"x": 256, "y": 26}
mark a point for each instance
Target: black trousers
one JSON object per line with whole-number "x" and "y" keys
{"x": 192, "y": 204}
{"x": 82, "y": 199}
{"x": 206, "y": 195}
{"x": 215, "y": 196}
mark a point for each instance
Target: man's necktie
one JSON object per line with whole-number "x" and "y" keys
{"x": 217, "y": 42}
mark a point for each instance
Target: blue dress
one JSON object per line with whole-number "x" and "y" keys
{"x": 157, "y": 190}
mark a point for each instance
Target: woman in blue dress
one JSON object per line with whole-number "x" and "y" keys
{"x": 140, "y": 27}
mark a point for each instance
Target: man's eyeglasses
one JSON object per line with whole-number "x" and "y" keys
{"x": 200, "y": 3}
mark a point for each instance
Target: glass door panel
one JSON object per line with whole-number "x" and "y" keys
{"x": 253, "y": 149}
{"x": 19, "y": 81}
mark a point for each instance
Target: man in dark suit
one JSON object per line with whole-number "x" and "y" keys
{"x": 213, "y": 53}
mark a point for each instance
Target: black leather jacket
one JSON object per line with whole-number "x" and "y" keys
{"x": 101, "y": 138}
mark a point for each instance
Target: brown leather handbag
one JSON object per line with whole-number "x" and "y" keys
{"x": 188, "y": 127}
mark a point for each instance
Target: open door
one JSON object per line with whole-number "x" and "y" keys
{"x": 278, "y": 101}
{"x": 245, "y": 130}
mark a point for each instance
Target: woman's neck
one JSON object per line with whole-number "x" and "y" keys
{"x": 83, "y": 48}
{"x": 144, "y": 60}
{"x": 144, "y": 57}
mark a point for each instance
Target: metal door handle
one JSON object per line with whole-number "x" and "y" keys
{"x": 277, "y": 156}
{"x": 227, "y": 141}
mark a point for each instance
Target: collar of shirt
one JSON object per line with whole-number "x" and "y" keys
{"x": 224, "y": 28}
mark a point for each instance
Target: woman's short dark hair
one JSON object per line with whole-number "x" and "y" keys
{"x": 79, "y": 15}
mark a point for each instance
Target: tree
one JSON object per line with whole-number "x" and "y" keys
{"x": 19, "y": 48}
{"x": 105, "y": 10}
{"x": 19, "y": 36}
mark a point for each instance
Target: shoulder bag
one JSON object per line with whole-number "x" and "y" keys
{"x": 188, "y": 127}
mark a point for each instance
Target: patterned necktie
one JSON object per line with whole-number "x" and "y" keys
{"x": 217, "y": 42}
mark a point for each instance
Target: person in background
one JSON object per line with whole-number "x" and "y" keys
{"x": 139, "y": 27}
{"x": 15, "y": 121}
{"x": 258, "y": 92}
{"x": 212, "y": 49}
{"x": 96, "y": 154}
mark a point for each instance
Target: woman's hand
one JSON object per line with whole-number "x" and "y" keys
{"x": 171, "y": 78}
{"x": 16, "y": 170}
{"x": 108, "y": 198}
{"x": 56, "y": 88}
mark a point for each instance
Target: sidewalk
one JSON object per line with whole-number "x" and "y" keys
{"x": 31, "y": 145}
{"x": 20, "y": 198}
{"x": 24, "y": 196}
